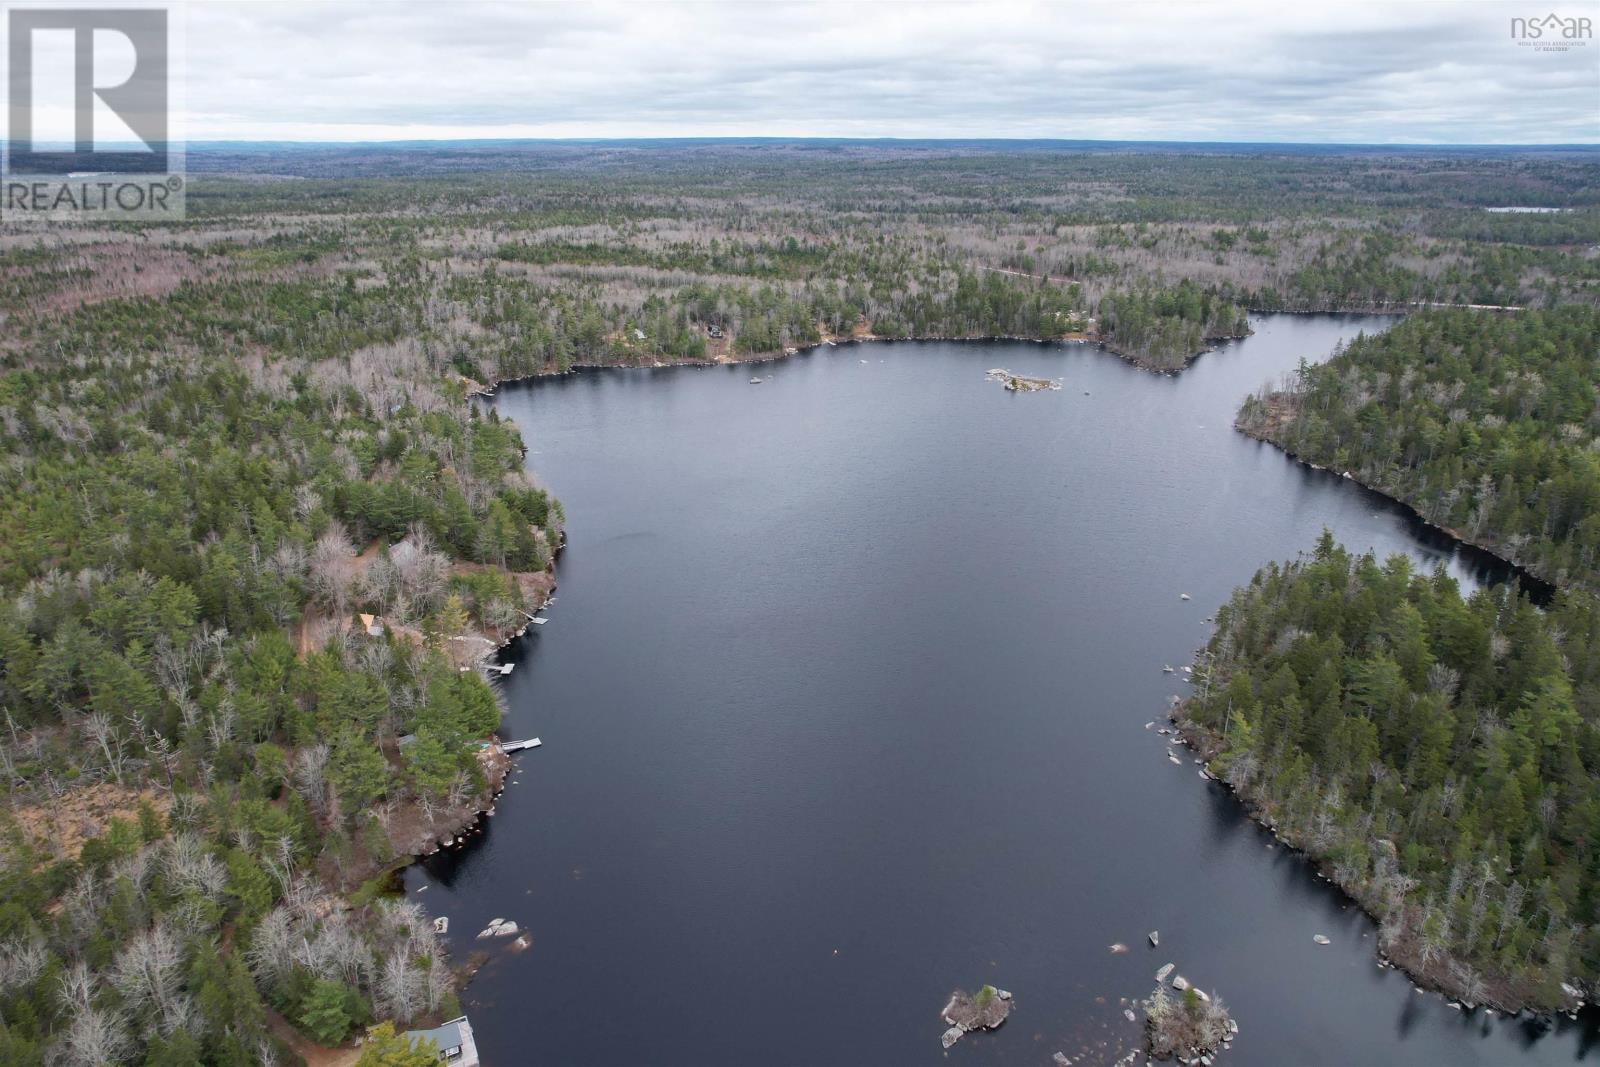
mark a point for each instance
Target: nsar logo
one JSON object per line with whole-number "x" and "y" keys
{"x": 1553, "y": 33}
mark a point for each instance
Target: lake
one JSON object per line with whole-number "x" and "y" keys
{"x": 843, "y": 703}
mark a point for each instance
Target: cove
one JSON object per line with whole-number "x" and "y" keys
{"x": 843, "y": 703}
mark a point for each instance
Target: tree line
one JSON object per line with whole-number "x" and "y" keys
{"x": 1487, "y": 424}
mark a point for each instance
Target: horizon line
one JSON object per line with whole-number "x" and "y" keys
{"x": 844, "y": 139}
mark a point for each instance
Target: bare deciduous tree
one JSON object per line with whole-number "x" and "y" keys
{"x": 148, "y": 972}
{"x": 331, "y": 570}
{"x": 310, "y": 767}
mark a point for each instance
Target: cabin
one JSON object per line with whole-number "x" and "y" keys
{"x": 713, "y": 330}
{"x": 372, "y": 624}
{"x": 453, "y": 1040}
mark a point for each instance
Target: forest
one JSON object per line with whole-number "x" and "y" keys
{"x": 228, "y": 440}
{"x": 1485, "y": 423}
{"x": 577, "y": 250}
{"x": 203, "y": 756}
{"x": 1436, "y": 754}
{"x": 1168, "y": 328}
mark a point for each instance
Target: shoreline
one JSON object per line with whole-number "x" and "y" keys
{"x": 488, "y": 390}
{"x": 1538, "y": 587}
{"x": 1502, "y": 995}
{"x": 1205, "y": 744}
{"x": 1212, "y": 344}
{"x": 497, "y": 762}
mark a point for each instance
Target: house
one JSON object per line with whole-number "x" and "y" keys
{"x": 453, "y": 1039}
{"x": 638, "y": 335}
{"x": 372, "y": 624}
{"x": 713, "y": 330}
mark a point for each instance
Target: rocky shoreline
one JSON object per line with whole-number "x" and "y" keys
{"x": 1404, "y": 955}
{"x": 1498, "y": 993}
{"x": 415, "y": 834}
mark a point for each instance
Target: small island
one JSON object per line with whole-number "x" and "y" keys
{"x": 965, "y": 1011}
{"x": 1019, "y": 383}
{"x": 1190, "y": 1028}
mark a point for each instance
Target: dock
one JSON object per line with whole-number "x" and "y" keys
{"x": 518, "y": 746}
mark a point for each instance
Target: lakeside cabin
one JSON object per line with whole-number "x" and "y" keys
{"x": 453, "y": 1039}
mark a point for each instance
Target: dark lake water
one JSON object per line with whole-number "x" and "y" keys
{"x": 843, "y": 706}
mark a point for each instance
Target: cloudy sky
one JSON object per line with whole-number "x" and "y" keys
{"x": 1289, "y": 70}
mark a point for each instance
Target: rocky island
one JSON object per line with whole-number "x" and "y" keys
{"x": 1190, "y": 1028}
{"x": 1018, "y": 383}
{"x": 985, "y": 1010}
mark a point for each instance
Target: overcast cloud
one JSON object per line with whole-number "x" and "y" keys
{"x": 1293, "y": 71}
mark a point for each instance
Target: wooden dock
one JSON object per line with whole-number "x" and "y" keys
{"x": 518, "y": 746}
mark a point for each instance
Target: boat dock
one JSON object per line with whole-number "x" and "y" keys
{"x": 518, "y": 746}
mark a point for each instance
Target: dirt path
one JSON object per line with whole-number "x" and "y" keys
{"x": 1055, "y": 278}
{"x": 314, "y": 1055}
